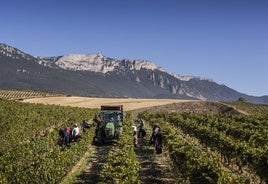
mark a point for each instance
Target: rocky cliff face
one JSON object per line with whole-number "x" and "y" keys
{"x": 98, "y": 75}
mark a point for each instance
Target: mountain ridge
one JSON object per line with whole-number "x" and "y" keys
{"x": 98, "y": 75}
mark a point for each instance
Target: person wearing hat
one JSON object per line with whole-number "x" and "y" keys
{"x": 84, "y": 125}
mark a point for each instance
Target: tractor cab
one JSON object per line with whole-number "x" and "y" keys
{"x": 109, "y": 124}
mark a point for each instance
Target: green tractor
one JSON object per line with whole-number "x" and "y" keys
{"x": 109, "y": 124}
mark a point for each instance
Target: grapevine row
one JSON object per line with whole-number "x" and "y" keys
{"x": 20, "y": 94}
{"x": 122, "y": 165}
{"x": 22, "y": 122}
{"x": 196, "y": 165}
{"x": 251, "y": 129}
{"x": 38, "y": 160}
{"x": 242, "y": 152}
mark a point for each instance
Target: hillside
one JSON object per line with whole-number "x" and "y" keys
{"x": 100, "y": 76}
{"x": 249, "y": 108}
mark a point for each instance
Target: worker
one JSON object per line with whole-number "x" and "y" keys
{"x": 158, "y": 142}
{"x": 142, "y": 132}
{"x": 84, "y": 125}
{"x": 156, "y": 128}
{"x": 75, "y": 132}
{"x": 135, "y": 134}
{"x": 67, "y": 131}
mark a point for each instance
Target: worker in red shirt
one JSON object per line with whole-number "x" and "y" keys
{"x": 67, "y": 132}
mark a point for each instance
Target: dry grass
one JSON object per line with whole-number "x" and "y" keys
{"x": 88, "y": 102}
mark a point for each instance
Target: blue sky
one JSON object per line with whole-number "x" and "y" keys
{"x": 225, "y": 40}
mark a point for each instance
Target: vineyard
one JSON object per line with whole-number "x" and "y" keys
{"x": 22, "y": 94}
{"x": 29, "y": 152}
{"x": 249, "y": 108}
{"x": 221, "y": 148}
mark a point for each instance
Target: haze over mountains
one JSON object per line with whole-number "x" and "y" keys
{"x": 98, "y": 75}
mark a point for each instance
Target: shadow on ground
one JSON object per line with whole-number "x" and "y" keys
{"x": 154, "y": 169}
{"x": 97, "y": 159}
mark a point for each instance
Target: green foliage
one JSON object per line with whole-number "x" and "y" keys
{"x": 250, "y": 108}
{"x": 241, "y": 99}
{"x": 237, "y": 137}
{"x": 122, "y": 165}
{"x": 29, "y": 153}
{"x": 194, "y": 163}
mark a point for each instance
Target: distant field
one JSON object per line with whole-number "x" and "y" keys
{"x": 14, "y": 94}
{"x": 128, "y": 103}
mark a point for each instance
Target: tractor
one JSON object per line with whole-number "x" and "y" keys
{"x": 109, "y": 124}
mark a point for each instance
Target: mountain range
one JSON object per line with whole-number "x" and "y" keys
{"x": 101, "y": 76}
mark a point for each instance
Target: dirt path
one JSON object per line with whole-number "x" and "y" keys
{"x": 91, "y": 173}
{"x": 155, "y": 168}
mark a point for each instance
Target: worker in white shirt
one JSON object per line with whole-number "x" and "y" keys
{"x": 135, "y": 133}
{"x": 75, "y": 132}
